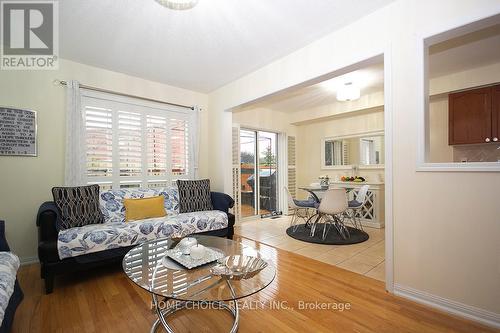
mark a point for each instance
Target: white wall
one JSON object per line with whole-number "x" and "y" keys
{"x": 310, "y": 139}
{"x": 26, "y": 182}
{"x": 446, "y": 225}
{"x": 439, "y": 150}
{"x": 265, "y": 119}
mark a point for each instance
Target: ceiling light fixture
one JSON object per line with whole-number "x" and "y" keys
{"x": 178, "y": 4}
{"x": 348, "y": 92}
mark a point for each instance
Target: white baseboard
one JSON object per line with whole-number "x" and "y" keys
{"x": 463, "y": 310}
{"x": 28, "y": 260}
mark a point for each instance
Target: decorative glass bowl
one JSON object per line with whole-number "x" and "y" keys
{"x": 211, "y": 254}
{"x": 238, "y": 267}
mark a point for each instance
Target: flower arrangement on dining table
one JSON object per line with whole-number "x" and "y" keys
{"x": 324, "y": 181}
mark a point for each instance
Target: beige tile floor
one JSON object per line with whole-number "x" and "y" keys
{"x": 365, "y": 258}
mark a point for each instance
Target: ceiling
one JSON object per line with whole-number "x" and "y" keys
{"x": 200, "y": 49}
{"x": 369, "y": 79}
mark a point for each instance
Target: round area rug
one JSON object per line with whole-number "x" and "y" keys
{"x": 333, "y": 238}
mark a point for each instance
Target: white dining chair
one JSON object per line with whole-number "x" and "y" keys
{"x": 332, "y": 207}
{"x": 353, "y": 212}
{"x": 300, "y": 209}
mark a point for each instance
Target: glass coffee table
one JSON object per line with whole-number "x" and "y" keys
{"x": 174, "y": 287}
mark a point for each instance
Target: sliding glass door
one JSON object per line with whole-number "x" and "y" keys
{"x": 259, "y": 172}
{"x": 268, "y": 172}
{"x": 248, "y": 149}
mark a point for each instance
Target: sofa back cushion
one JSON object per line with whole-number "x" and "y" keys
{"x": 194, "y": 195}
{"x": 113, "y": 209}
{"x": 78, "y": 206}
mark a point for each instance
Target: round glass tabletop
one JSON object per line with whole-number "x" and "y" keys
{"x": 143, "y": 265}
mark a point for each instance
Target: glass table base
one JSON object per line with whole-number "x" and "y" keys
{"x": 180, "y": 305}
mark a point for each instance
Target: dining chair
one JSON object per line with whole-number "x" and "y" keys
{"x": 300, "y": 209}
{"x": 353, "y": 212}
{"x": 330, "y": 210}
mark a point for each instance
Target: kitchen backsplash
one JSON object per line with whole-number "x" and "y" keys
{"x": 477, "y": 153}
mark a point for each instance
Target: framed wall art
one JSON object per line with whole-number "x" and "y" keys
{"x": 18, "y": 132}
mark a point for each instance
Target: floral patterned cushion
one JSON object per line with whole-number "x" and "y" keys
{"x": 9, "y": 264}
{"x": 99, "y": 237}
{"x": 112, "y": 207}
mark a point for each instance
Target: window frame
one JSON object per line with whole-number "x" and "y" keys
{"x": 380, "y": 132}
{"x": 117, "y": 103}
{"x": 424, "y": 41}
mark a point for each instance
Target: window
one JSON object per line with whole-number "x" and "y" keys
{"x": 371, "y": 150}
{"x": 133, "y": 143}
{"x": 459, "y": 120}
{"x": 335, "y": 152}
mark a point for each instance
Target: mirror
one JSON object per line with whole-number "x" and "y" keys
{"x": 338, "y": 152}
{"x": 371, "y": 150}
{"x": 363, "y": 150}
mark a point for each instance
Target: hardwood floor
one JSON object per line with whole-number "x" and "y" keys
{"x": 105, "y": 300}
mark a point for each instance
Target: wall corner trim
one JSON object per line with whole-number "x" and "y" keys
{"x": 482, "y": 316}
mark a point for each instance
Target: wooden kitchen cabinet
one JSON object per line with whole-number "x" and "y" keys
{"x": 495, "y": 117}
{"x": 470, "y": 116}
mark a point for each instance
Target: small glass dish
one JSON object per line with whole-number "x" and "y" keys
{"x": 238, "y": 267}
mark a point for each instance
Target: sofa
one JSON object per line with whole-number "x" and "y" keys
{"x": 11, "y": 294}
{"x": 63, "y": 251}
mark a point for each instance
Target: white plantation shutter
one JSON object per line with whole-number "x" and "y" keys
{"x": 292, "y": 171}
{"x": 99, "y": 142}
{"x": 236, "y": 171}
{"x": 345, "y": 151}
{"x": 157, "y": 150}
{"x": 179, "y": 136}
{"x": 130, "y": 143}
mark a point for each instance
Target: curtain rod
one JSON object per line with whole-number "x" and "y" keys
{"x": 64, "y": 83}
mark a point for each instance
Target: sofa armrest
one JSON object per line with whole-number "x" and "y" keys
{"x": 221, "y": 201}
{"x": 47, "y": 222}
{"x": 4, "y": 246}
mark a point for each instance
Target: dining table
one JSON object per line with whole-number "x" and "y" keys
{"x": 314, "y": 190}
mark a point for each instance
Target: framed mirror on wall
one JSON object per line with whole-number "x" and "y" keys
{"x": 336, "y": 152}
{"x": 365, "y": 150}
{"x": 371, "y": 150}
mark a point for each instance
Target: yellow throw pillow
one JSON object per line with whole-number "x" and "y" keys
{"x": 144, "y": 208}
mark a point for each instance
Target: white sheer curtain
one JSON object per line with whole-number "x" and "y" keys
{"x": 75, "y": 137}
{"x": 195, "y": 139}
{"x": 337, "y": 153}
